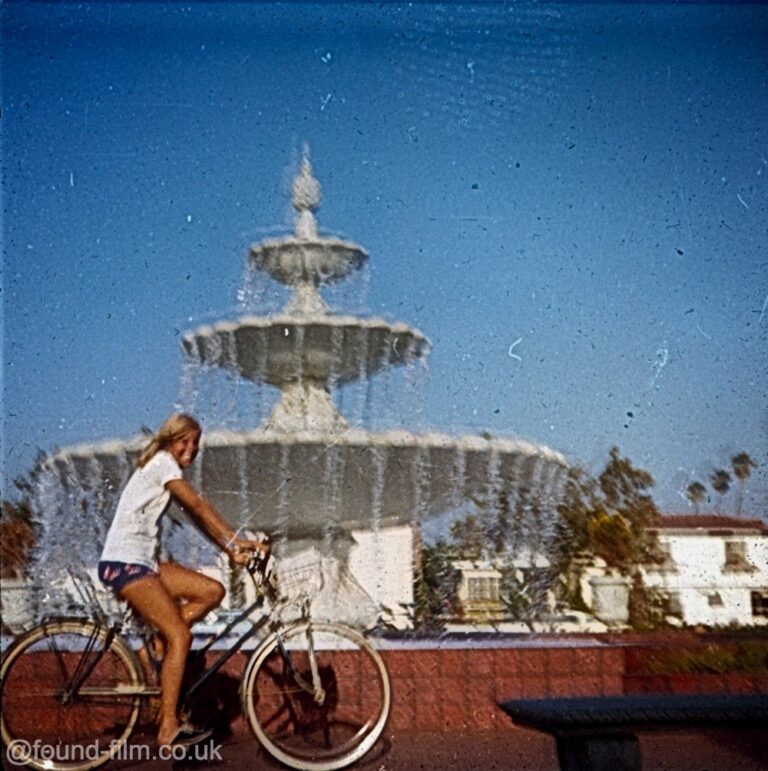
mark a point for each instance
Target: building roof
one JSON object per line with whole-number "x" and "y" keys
{"x": 716, "y": 524}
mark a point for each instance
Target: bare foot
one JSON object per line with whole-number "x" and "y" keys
{"x": 167, "y": 733}
{"x": 185, "y": 735}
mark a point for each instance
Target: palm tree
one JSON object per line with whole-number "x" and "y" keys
{"x": 696, "y": 493}
{"x": 742, "y": 465}
{"x": 721, "y": 482}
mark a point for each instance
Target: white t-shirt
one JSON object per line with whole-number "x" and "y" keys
{"x": 133, "y": 534}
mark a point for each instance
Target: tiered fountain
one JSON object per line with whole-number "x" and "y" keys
{"x": 306, "y": 473}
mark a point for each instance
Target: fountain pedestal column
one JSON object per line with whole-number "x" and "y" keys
{"x": 305, "y": 406}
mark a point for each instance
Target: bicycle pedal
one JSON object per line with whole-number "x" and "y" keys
{"x": 189, "y": 735}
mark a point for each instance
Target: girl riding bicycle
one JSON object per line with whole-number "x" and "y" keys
{"x": 168, "y": 596}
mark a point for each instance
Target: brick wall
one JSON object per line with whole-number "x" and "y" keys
{"x": 452, "y": 685}
{"x": 449, "y": 687}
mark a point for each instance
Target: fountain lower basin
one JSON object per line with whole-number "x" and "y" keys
{"x": 303, "y": 481}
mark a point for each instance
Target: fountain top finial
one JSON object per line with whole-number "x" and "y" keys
{"x": 306, "y": 199}
{"x": 306, "y": 189}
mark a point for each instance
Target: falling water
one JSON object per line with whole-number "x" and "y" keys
{"x": 193, "y": 542}
{"x": 189, "y": 383}
{"x": 251, "y": 291}
{"x": 231, "y": 368}
{"x": 298, "y": 350}
{"x": 280, "y": 535}
{"x": 100, "y": 503}
{"x": 362, "y": 378}
{"x": 384, "y": 398}
{"x": 50, "y": 552}
{"x": 382, "y": 390}
{"x": 379, "y": 455}
{"x": 350, "y": 296}
{"x": 421, "y": 468}
{"x": 416, "y": 376}
{"x": 459, "y": 477}
{"x": 214, "y": 375}
{"x": 262, "y": 352}
{"x": 493, "y": 479}
{"x": 332, "y": 481}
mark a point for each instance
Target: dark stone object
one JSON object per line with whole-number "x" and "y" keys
{"x": 600, "y": 733}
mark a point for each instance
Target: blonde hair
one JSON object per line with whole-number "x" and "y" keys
{"x": 174, "y": 428}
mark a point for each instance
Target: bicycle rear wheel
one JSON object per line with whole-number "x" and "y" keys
{"x": 287, "y": 719}
{"x": 47, "y": 726}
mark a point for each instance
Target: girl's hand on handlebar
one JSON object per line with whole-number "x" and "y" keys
{"x": 242, "y": 550}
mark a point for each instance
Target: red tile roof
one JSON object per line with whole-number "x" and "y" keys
{"x": 709, "y": 522}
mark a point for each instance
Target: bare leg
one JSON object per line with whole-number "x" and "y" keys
{"x": 196, "y": 594}
{"x": 171, "y": 603}
{"x": 154, "y": 603}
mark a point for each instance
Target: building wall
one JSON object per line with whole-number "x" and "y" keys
{"x": 711, "y": 592}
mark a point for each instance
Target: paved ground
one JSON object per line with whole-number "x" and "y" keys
{"x": 512, "y": 750}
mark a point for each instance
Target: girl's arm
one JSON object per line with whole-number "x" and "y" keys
{"x": 208, "y": 519}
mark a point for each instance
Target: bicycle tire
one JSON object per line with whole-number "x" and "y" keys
{"x": 41, "y": 731}
{"x": 285, "y": 718}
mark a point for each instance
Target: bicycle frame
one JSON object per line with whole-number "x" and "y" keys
{"x": 79, "y": 677}
{"x": 265, "y": 590}
{"x": 287, "y": 673}
{"x": 114, "y": 629}
{"x": 254, "y": 629}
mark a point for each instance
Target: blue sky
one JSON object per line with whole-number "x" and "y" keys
{"x": 590, "y": 181}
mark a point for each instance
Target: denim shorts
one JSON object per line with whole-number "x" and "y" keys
{"x": 117, "y": 575}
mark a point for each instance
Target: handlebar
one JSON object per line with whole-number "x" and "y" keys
{"x": 260, "y": 563}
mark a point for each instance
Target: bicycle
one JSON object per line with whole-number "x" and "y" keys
{"x": 315, "y": 694}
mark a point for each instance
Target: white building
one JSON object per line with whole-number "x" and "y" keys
{"x": 715, "y": 571}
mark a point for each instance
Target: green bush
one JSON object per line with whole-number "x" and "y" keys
{"x": 748, "y": 657}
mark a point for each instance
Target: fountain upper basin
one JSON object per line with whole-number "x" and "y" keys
{"x": 307, "y": 260}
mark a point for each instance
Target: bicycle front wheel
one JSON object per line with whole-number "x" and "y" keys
{"x": 48, "y": 724}
{"x": 295, "y": 722}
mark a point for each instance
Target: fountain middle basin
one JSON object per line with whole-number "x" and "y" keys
{"x": 284, "y": 348}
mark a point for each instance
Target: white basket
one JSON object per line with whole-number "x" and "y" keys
{"x": 300, "y": 575}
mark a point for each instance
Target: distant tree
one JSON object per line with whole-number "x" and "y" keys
{"x": 742, "y": 465}
{"x": 720, "y": 480}
{"x": 696, "y": 493}
{"x": 626, "y": 492}
{"x": 487, "y": 532}
{"x": 500, "y": 530}
{"x": 611, "y": 539}
{"x": 609, "y": 517}
{"x": 519, "y": 593}
{"x": 470, "y": 537}
{"x": 572, "y": 536}
{"x": 17, "y": 539}
{"x": 19, "y": 528}
{"x": 435, "y": 587}
{"x": 580, "y": 500}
